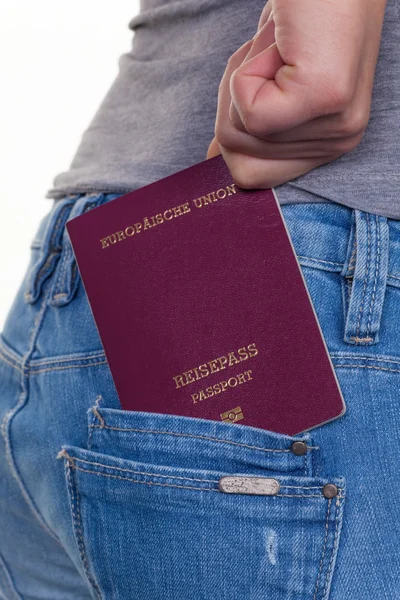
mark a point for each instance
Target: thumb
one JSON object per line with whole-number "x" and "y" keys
{"x": 213, "y": 149}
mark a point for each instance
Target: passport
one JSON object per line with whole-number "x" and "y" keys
{"x": 201, "y": 304}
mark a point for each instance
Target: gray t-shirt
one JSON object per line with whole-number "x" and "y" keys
{"x": 158, "y": 116}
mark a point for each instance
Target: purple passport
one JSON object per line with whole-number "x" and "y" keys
{"x": 201, "y": 304}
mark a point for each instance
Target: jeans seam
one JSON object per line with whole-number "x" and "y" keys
{"x": 203, "y": 437}
{"x": 320, "y": 260}
{"x": 356, "y": 336}
{"x": 8, "y": 419}
{"x": 323, "y": 549}
{"x": 102, "y": 362}
{"x": 65, "y": 454}
{"x": 93, "y": 411}
{"x": 339, "y": 356}
{"x": 367, "y": 367}
{"x": 14, "y": 365}
{"x": 333, "y": 553}
{"x": 77, "y": 524}
{"x": 188, "y": 487}
{"x": 377, "y": 268}
{"x": 9, "y": 580}
{"x": 71, "y": 358}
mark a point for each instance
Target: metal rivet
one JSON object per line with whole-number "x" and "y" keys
{"x": 330, "y": 490}
{"x": 299, "y": 448}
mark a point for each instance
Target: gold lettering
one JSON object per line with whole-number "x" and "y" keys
{"x": 196, "y": 371}
{"x": 217, "y": 388}
{"x": 223, "y": 361}
{"x": 224, "y": 386}
{"x": 207, "y": 200}
{"x": 213, "y": 366}
{"x": 189, "y": 377}
{"x": 252, "y": 350}
{"x": 241, "y": 378}
{"x": 216, "y": 365}
{"x": 232, "y": 359}
{"x": 177, "y": 211}
{"x": 167, "y": 215}
{"x": 243, "y": 353}
{"x": 204, "y": 370}
{"x": 198, "y": 202}
{"x": 179, "y": 381}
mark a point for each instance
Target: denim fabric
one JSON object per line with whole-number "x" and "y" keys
{"x": 97, "y": 502}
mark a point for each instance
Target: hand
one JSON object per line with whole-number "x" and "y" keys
{"x": 298, "y": 94}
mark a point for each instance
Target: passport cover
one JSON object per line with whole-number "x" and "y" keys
{"x": 201, "y": 304}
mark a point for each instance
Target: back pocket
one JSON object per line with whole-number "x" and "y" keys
{"x": 176, "y": 508}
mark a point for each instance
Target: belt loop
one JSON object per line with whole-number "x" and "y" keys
{"x": 66, "y": 278}
{"x": 365, "y": 271}
{"x": 50, "y": 247}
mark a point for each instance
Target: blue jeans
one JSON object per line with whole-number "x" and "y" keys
{"x": 97, "y": 502}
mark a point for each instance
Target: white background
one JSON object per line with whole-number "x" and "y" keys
{"x": 57, "y": 61}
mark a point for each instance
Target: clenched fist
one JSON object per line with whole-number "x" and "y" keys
{"x": 298, "y": 94}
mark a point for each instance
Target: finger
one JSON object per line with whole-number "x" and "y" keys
{"x": 253, "y": 173}
{"x": 265, "y": 15}
{"x": 264, "y": 38}
{"x": 269, "y": 101}
{"x": 324, "y": 127}
{"x": 223, "y": 91}
{"x": 213, "y": 149}
{"x": 242, "y": 142}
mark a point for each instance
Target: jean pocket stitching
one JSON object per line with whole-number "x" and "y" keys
{"x": 93, "y": 414}
{"x": 329, "y": 569}
{"x": 187, "y": 487}
{"x": 71, "y": 460}
{"x": 192, "y": 435}
{"x": 77, "y": 523}
{"x": 121, "y": 469}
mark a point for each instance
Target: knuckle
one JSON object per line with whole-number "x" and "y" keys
{"x": 338, "y": 96}
{"x": 354, "y": 122}
{"x": 223, "y": 136}
{"x": 331, "y": 96}
{"x": 251, "y": 122}
{"x": 242, "y": 177}
{"x": 349, "y": 143}
{"x": 248, "y": 114}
